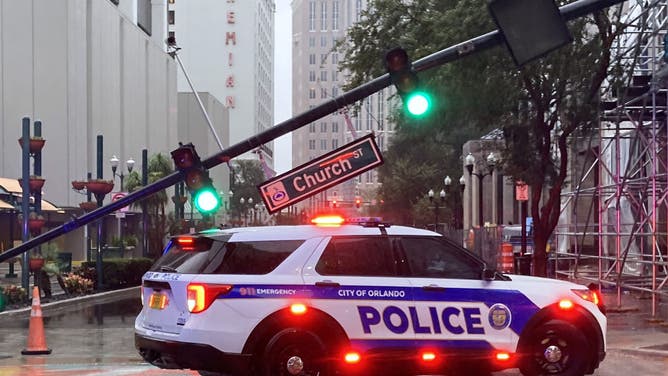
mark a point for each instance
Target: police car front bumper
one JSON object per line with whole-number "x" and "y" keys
{"x": 170, "y": 354}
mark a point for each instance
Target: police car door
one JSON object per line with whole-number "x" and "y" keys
{"x": 355, "y": 280}
{"x": 456, "y": 308}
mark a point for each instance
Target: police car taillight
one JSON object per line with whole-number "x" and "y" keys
{"x": 502, "y": 356}
{"x": 201, "y": 295}
{"x": 428, "y": 356}
{"x": 298, "y": 309}
{"x": 328, "y": 220}
{"x": 352, "y": 357}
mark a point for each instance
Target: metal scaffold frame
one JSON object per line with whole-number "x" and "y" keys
{"x": 614, "y": 219}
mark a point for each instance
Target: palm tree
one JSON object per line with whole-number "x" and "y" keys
{"x": 159, "y": 166}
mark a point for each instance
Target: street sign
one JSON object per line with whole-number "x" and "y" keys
{"x": 115, "y": 196}
{"x": 521, "y": 191}
{"x": 319, "y": 174}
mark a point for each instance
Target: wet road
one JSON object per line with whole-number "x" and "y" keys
{"x": 97, "y": 339}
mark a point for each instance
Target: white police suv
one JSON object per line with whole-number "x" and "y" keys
{"x": 357, "y": 298}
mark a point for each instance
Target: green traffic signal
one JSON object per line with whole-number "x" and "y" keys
{"x": 206, "y": 200}
{"x": 418, "y": 103}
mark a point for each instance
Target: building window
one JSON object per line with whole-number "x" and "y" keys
{"x": 323, "y": 92}
{"x": 335, "y": 15}
{"x": 170, "y": 17}
{"x": 323, "y": 144}
{"x": 311, "y": 144}
{"x": 358, "y": 125}
{"x": 335, "y": 91}
{"x": 311, "y": 76}
{"x": 323, "y": 59}
{"x": 311, "y": 59}
{"x": 323, "y": 76}
{"x": 335, "y": 75}
{"x": 323, "y": 127}
{"x": 381, "y": 110}
{"x": 358, "y": 10}
{"x": 323, "y": 41}
{"x": 369, "y": 114}
{"x": 335, "y": 144}
{"x": 311, "y": 93}
{"x": 311, "y": 16}
{"x": 311, "y": 41}
{"x": 335, "y": 58}
{"x": 311, "y": 128}
{"x": 335, "y": 127}
{"x": 323, "y": 16}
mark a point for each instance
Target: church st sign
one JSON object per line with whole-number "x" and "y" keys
{"x": 319, "y": 174}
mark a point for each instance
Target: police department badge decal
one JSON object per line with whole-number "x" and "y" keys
{"x": 499, "y": 316}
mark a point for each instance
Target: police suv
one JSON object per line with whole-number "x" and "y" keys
{"x": 357, "y": 298}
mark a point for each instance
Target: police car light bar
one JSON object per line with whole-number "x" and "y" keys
{"x": 328, "y": 220}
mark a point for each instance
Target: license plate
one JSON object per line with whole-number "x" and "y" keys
{"x": 157, "y": 301}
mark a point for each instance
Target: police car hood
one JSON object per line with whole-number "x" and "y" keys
{"x": 533, "y": 281}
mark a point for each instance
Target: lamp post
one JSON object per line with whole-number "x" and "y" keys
{"x": 130, "y": 164}
{"x": 243, "y": 203}
{"x": 462, "y": 188}
{"x": 436, "y": 205}
{"x": 226, "y": 206}
{"x": 491, "y": 163}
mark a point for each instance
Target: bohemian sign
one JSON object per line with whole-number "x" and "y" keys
{"x": 319, "y": 174}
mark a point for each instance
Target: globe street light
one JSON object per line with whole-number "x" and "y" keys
{"x": 436, "y": 205}
{"x": 470, "y": 161}
{"x": 130, "y": 164}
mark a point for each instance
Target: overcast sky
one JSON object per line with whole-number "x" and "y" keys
{"x": 283, "y": 83}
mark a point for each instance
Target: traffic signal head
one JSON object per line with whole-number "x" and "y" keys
{"x": 358, "y": 203}
{"x": 405, "y": 80}
{"x": 205, "y": 197}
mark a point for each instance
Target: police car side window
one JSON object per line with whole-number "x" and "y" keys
{"x": 370, "y": 257}
{"x": 432, "y": 258}
{"x": 254, "y": 257}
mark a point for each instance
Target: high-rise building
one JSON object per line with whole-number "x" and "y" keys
{"x": 316, "y": 27}
{"x": 227, "y": 51}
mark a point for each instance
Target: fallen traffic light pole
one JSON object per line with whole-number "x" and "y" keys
{"x": 483, "y": 42}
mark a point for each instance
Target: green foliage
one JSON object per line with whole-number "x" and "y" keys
{"x": 15, "y": 294}
{"x": 117, "y": 273}
{"x": 248, "y": 175}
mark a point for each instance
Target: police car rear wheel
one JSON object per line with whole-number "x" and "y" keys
{"x": 294, "y": 352}
{"x": 556, "y": 348}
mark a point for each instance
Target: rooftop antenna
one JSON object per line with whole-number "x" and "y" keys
{"x": 172, "y": 50}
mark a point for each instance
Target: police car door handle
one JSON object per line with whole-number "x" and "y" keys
{"x": 433, "y": 288}
{"x": 327, "y": 283}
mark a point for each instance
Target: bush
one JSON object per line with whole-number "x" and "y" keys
{"x": 76, "y": 284}
{"x": 118, "y": 272}
{"x": 15, "y": 294}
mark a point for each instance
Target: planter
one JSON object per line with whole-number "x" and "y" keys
{"x": 36, "y": 264}
{"x": 79, "y": 185}
{"x": 35, "y": 184}
{"x": 36, "y": 224}
{"x": 35, "y": 144}
{"x": 100, "y": 187}
{"x": 88, "y": 205}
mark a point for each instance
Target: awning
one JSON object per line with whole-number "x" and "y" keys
{"x": 5, "y": 205}
{"x": 11, "y": 185}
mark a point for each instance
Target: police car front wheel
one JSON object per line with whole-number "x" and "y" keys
{"x": 556, "y": 348}
{"x": 295, "y": 352}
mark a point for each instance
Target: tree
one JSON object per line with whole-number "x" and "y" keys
{"x": 159, "y": 166}
{"x": 486, "y": 90}
{"x": 247, "y": 175}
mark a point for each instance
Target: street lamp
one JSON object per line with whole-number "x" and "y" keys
{"x": 491, "y": 163}
{"x": 436, "y": 206}
{"x": 130, "y": 163}
{"x": 243, "y": 202}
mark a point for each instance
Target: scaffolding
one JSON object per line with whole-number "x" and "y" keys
{"x": 613, "y": 228}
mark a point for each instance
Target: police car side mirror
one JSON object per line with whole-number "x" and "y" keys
{"x": 488, "y": 274}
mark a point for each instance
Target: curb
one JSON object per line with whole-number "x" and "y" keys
{"x": 642, "y": 353}
{"x": 67, "y": 304}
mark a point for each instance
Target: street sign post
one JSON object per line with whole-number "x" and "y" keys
{"x": 319, "y": 174}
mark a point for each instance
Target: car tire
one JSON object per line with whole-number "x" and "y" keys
{"x": 291, "y": 349}
{"x": 555, "y": 348}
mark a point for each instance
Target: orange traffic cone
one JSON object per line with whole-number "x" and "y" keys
{"x": 36, "y": 339}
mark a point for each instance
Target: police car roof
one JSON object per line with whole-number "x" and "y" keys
{"x": 310, "y": 231}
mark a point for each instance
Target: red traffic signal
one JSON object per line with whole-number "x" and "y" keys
{"x": 186, "y": 157}
{"x": 358, "y": 203}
